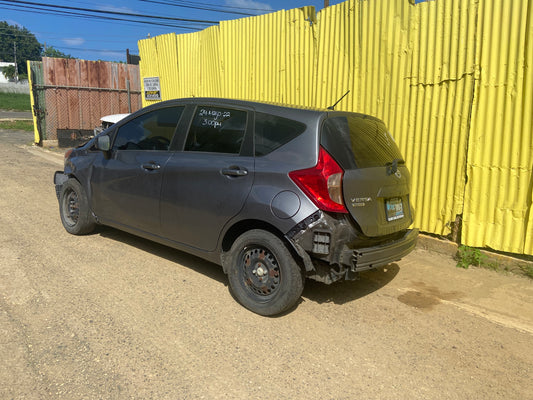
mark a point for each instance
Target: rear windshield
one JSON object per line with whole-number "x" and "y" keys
{"x": 359, "y": 142}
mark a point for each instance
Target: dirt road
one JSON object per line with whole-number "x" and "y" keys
{"x": 112, "y": 316}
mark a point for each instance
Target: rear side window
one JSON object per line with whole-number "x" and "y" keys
{"x": 217, "y": 130}
{"x": 359, "y": 142}
{"x": 151, "y": 131}
{"x": 272, "y": 132}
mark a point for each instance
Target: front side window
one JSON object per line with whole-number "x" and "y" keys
{"x": 151, "y": 131}
{"x": 217, "y": 130}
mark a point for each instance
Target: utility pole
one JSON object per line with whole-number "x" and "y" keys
{"x": 326, "y": 3}
{"x": 16, "y": 65}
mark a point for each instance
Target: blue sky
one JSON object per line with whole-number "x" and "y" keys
{"x": 93, "y": 39}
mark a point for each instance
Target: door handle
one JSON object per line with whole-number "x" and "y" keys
{"x": 151, "y": 166}
{"x": 234, "y": 171}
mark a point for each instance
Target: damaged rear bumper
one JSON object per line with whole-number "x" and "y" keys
{"x": 333, "y": 249}
{"x": 362, "y": 259}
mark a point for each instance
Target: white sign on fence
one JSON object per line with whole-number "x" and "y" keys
{"x": 152, "y": 88}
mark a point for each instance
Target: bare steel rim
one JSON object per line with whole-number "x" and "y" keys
{"x": 71, "y": 207}
{"x": 259, "y": 271}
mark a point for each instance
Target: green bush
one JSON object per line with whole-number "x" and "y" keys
{"x": 467, "y": 256}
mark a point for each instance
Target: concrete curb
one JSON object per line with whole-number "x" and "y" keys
{"x": 502, "y": 262}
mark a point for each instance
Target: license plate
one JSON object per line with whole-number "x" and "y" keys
{"x": 394, "y": 208}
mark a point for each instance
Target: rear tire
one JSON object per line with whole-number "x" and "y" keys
{"x": 74, "y": 209}
{"x": 263, "y": 275}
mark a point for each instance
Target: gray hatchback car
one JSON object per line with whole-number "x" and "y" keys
{"x": 273, "y": 194}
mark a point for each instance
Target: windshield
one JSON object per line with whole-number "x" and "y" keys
{"x": 359, "y": 141}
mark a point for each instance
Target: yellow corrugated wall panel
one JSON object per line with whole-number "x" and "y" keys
{"x": 413, "y": 67}
{"x": 210, "y": 66}
{"x": 527, "y": 121}
{"x": 449, "y": 77}
{"x": 269, "y": 57}
{"x": 441, "y": 76}
{"x": 500, "y": 180}
{"x": 167, "y": 65}
{"x": 188, "y": 67}
{"x": 148, "y": 65}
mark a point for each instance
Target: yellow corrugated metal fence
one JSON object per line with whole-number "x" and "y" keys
{"x": 451, "y": 78}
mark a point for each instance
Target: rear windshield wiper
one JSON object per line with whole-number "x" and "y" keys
{"x": 392, "y": 167}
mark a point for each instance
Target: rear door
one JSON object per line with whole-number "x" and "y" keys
{"x": 126, "y": 187}
{"x": 376, "y": 182}
{"x": 207, "y": 183}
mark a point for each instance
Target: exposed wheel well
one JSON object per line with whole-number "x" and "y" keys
{"x": 242, "y": 226}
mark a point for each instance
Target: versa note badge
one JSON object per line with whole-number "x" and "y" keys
{"x": 360, "y": 201}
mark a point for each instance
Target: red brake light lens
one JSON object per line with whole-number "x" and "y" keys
{"x": 316, "y": 183}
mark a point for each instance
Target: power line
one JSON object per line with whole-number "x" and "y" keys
{"x": 62, "y": 8}
{"x": 167, "y": 3}
{"x": 229, "y": 7}
{"x": 95, "y": 17}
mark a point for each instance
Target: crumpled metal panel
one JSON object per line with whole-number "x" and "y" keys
{"x": 498, "y": 196}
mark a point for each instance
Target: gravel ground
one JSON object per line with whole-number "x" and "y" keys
{"x": 112, "y": 316}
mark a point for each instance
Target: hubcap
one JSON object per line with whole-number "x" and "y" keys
{"x": 260, "y": 271}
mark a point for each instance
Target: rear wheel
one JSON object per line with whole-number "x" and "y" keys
{"x": 74, "y": 208}
{"x": 263, "y": 275}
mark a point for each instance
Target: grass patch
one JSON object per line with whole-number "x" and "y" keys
{"x": 468, "y": 256}
{"x": 526, "y": 270}
{"x": 21, "y": 125}
{"x": 15, "y": 101}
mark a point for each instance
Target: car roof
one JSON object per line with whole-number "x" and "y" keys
{"x": 286, "y": 110}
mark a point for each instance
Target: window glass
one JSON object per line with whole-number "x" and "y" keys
{"x": 272, "y": 132}
{"x": 362, "y": 139}
{"x": 151, "y": 131}
{"x": 217, "y": 130}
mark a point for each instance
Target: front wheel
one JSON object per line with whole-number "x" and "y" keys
{"x": 263, "y": 275}
{"x": 74, "y": 209}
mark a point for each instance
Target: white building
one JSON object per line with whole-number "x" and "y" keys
{"x": 3, "y": 64}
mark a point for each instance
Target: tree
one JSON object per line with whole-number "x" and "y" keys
{"x": 9, "y": 72}
{"x": 20, "y": 40}
{"x": 51, "y": 51}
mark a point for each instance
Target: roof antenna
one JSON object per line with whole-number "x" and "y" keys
{"x": 338, "y": 101}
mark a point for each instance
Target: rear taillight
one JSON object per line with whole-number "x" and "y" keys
{"x": 322, "y": 183}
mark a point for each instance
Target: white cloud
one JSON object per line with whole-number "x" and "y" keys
{"x": 112, "y": 8}
{"x": 257, "y": 6}
{"x": 74, "y": 41}
{"x": 11, "y": 22}
{"x": 112, "y": 55}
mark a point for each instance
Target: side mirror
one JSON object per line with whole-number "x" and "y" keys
{"x": 103, "y": 143}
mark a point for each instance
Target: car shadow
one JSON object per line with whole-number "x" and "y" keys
{"x": 187, "y": 260}
{"x": 346, "y": 291}
{"x": 338, "y": 293}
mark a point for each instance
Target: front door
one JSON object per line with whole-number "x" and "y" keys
{"x": 126, "y": 187}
